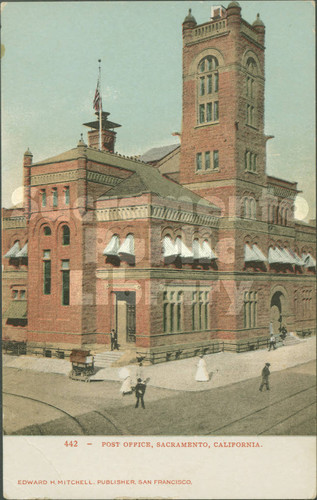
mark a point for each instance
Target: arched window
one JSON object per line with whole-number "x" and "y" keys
{"x": 208, "y": 86}
{"x": 251, "y": 68}
{"x": 252, "y": 208}
{"x": 66, "y": 235}
{"x": 47, "y": 231}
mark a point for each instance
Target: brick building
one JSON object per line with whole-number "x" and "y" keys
{"x": 189, "y": 246}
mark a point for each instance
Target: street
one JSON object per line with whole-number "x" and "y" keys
{"x": 51, "y": 404}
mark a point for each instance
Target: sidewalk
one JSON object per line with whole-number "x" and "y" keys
{"x": 224, "y": 368}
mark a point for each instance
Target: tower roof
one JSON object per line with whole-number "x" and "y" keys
{"x": 258, "y": 21}
{"x": 190, "y": 18}
{"x": 105, "y": 124}
{"x": 233, "y": 4}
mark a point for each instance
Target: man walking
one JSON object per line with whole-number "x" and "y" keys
{"x": 272, "y": 342}
{"x": 112, "y": 339}
{"x": 139, "y": 393}
{"x": 265, "y": 377}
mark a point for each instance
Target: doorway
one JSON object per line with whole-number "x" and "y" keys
{"x": 125, "y": 317}
{"x": 277, "y": 311}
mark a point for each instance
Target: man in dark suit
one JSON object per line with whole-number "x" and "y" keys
{"x": 112, "y": 339}
{"x": 265, "y": 377}
{"x": 115, "y": 340}
{"x": 139, "y": 393}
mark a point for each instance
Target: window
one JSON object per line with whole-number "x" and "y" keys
{"x": 249, "y": 208}
{"x": 66, "y": 235}
{"x": 250, "y": 161}
{"x": 43, "y": 197}
{"x": 207, "y": 160}
{"x": 250, "y": 309}
{"x": 172, "y": 311}
{"x": 216, "y": 160}
{"x": 209, "y": 112}
{"x": 201, "y": 113}
{"x": 66, "y": 193}
{"x": 55, "y": 197}
{"x": 198, "y": 161}
{"x": 203, "y": 161}
{"x": 47, "y": 231}
{"x": 15, "y": 294}
{"x": 208, "y": 85}
{"x": 65, "y": 283}
{"x": 22, "y": 294}
{"x": 200, "y": 310}
{"x": 47, "y": 272}
{"x": 251, "y": 68}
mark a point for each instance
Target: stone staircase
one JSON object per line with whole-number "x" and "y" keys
{"x": 107, "y": 358}
{"x": 291, "y": 339}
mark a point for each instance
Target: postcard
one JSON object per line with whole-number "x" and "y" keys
{"x": 159, "y": 250}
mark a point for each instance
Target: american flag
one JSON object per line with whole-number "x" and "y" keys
{"x": 97, "y": 104}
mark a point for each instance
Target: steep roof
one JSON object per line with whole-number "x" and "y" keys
{"x": 156, "y": 154}
{"x": 151, "y": 181}
{"x": 92, "y": 154}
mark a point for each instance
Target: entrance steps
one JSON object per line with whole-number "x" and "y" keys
{"x": 291, "y": 339}
{"x": 106, "y": 359}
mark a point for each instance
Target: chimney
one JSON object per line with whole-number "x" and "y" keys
{"x": 108, "y": 135}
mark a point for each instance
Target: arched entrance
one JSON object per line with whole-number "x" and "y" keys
{"x": 278, "y": 311}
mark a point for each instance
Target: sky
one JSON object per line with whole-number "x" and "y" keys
{"x": 50, "y": 70}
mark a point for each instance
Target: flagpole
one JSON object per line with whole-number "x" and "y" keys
{"x": 100, "y": 105}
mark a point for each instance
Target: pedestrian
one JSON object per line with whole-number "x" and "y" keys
{"x": 272, "y": 342}
{"x": 139, "y": 371}
{"x": 112, "y": 340}
{"x": 125, "y": 375}
{"x": 201, "y": 373}
{"x": 265, "y": 377}
{"x": 139, "y": 393}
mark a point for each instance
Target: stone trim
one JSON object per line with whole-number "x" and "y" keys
{"x": 54, "y": 178}
{"x": 18, "y": 275}
{"x": 13, "y": 222}
{"x": 156, "y": 212}
{"x": 281, "y": 192}
{"x": 99, "y": 178}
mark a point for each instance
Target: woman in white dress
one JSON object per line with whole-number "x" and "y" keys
{"x": 126, "y": 387}
{"x": 201, "y": 373}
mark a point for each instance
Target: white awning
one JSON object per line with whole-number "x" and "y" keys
{"x": 13, "y": 251}
{"x": 183, "y": 252}
{"x": 298, "y": 260}
{"x": 253, "y": 254}
{"x": 275, "y": 256}
{"x": 309, "y": 261}
{"x": 113, "y": 246}
{"x": 23, "y": 252}
{"x": 289, "y": 258}
{"x": 126, "y": 250}
{"x": 206, "y": 251}
{"x": 259, "y": 253}
{"x": 249, "y": 255}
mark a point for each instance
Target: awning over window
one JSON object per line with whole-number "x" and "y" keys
{"x": 288, "y": 257}
{"x": 13, "y": 251}
{"x": 113, "y": 246}
{"x": 17, "y": 310}
{"x": 126, "y": 250}
{"x": 206, "y": 253}
{"x": 275, "y": 256}
{"x": 298, "y": 260}
{"x": 183, "y": 252}
{"x": 309, "y": 261}
{"x": 253, "y": 254}
{"x": 169, "y": 250}
{"x": 23, "y": 252}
